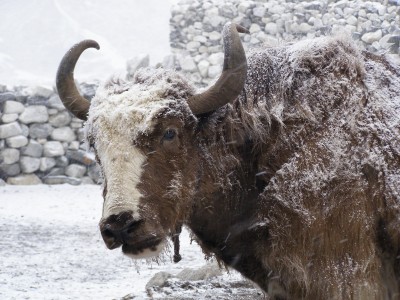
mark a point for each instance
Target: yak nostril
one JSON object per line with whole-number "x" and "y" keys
{"x": 117, "y": 229}
{"x": 132, "y": 226}
{"x": 107, "y": 232}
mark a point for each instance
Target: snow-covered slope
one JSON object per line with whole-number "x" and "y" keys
{"x": 35, "y": 34}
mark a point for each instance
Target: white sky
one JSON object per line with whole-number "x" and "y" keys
{"x": 35, "y": 34}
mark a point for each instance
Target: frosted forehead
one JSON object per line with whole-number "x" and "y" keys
{"x": 131, "y": 107}
{"x": 131, "y": 110}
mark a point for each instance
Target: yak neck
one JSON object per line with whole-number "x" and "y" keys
{"x": 224, "y": 215}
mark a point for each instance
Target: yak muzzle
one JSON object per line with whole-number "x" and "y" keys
{"x": 117, "y": 230}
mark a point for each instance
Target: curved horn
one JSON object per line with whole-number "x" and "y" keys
{"x": 231, "y": 82}
{"x": 69, "y": 95}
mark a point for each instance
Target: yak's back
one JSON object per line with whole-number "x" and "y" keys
{"x": 326, "y": 117}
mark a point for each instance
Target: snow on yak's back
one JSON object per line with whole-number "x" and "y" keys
{"x": 287, "y": 169}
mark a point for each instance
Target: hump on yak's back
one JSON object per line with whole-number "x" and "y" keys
{"x": 309, "y": 79}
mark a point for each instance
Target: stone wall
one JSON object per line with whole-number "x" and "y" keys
{"x": 40, "y": 141}
{"x": 196, "y": 27}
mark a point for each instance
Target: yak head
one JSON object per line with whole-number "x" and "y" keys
{"x": 144, "y": 135}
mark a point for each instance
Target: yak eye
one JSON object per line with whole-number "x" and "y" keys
{"x": 169, "y": 134}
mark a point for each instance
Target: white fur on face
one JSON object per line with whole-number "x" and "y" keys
{"x": 122, "y": 166}
{"x": 115, "y": 121}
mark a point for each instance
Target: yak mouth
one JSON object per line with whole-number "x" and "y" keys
{"x": 144, "y": 248}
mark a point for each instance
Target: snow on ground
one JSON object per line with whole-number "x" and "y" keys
{"x": 51, "y": 248}
{"x": 35, "y": 34}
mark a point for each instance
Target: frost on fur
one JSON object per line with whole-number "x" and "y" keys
{"x": 295, "y": 183}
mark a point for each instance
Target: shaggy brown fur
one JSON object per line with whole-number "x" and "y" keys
{"x": 296, "y": 183}
{"x": 317, "y": 141}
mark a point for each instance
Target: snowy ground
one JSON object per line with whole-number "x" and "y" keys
{"x": 51, "y": 249}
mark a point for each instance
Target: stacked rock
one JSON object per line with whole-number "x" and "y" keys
{"x": 196, "y": 26}
{"x": 40, "y": 141}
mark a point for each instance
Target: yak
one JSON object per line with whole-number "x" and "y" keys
{"x": 286, "y": 169}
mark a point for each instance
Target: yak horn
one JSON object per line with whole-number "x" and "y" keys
{"x": 69, "y": 95}
{"x": 231, "y": 82}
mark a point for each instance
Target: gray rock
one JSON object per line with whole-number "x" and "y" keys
{"x": 81, "y": 157}
{"x": 41, "y": 92}
{"x": 53, "y": 148}
{"x": 87, "y": 180}
{"x": 216, "y": 59}
{"x": 395, "y": 39}
{"x": 29, "y": 179}
{"x": 55, "y": 102}
{"x": 228, "y": 11}
{"x": 244, "y": 6}
{"x": 352, "y": 20}
{"x": 63, "y": 134}
{"x": 60, "y": 120}
{"x": 88, "y": 89}
{"x": 158, "y": 280}
{"x": 371, "y": 37}
{"x": 203, "y": 68}
{"x": 8, "y": 118}
{"x": 314, "y": 5}
{"x": 214, "y": 36}
{"x": 169, "y": 62}
{"x": 9, "y": 170}
{"x": 259, "y": 11}
{"x": 9, "y": 130}
{"x": 214, "y": 21}
{"x": 277, "y": 9}
{"x": 75, "y": 170}
{"x": 7, "y": 96}
{"x": 74, "y": 145}
{"x": 9, "y": 156}
{"x": 302, "y": 28}
{"x": 46, "y": 163}
{"x": 187, "y": 64}
{"x": 40, "y": 131}
{"x": 13, "y": 107}
{"x": 214, "y": 71}
{"x": 17, "y": 141}
{"x": 37, "y": 100}
{"x": 56, "y": 172}
{"x": 29, "y": 164}
{"x": 254, "y": 28}
{"x": 25, "y": 130}
{"x": 200, "y": 38}
{"x": 62, "y": 161}
{"x": 208, "y": 271}
{"x": 52, "y": 111}
{"x": 2, "y": 182}
{"x": 192, "y": 46}
{"x": 34, "y": 114}
{"x": 75, "y": 125}
{"x": 271, "y": 28}
{"x": 33, "y": 149}
{"x": 61, "y": 180}
{"x": 94, "y": 172}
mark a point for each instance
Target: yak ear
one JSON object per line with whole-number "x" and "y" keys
{"x": 69, "y": 95}
{"x": 231, "y": 82}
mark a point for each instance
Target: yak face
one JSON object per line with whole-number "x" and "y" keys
{"x": 140, "y": 132}
{"x": 143, "y": 134}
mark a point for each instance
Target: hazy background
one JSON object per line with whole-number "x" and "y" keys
{"x": 35, "y": 34}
